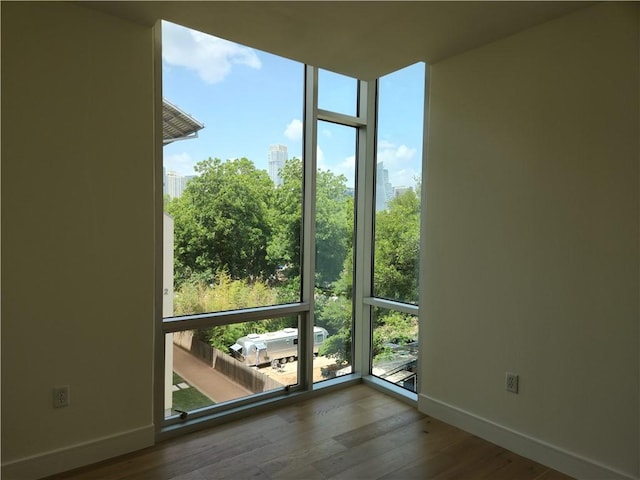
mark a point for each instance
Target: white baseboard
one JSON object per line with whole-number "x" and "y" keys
{"x": 539, "y": 451}
{"x": 78, "y": 455}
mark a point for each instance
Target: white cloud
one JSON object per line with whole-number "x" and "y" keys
{"x": 384, "y": 144}
{"x": 348, "y": 163}
{"x": 405, "y": 153}
{"x": 402, "y": 162}
{"x": 326, "y": 132}
{"x": 393, "y": 155}
{"x": 320, "y": 158}
{"x": 294, "y": 130}
{"x": 404, "y": 178}
{"x": 181, "y": 163}
{"x": 347, "y": 167}
{"x": 211, "y": 57}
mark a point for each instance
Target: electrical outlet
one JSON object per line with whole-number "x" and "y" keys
{"x": 61, "y": 396}
{"x": 512, "y": 382}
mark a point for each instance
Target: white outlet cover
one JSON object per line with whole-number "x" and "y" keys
{"x": 61, "y": 396}
{"x": 511, "y": 382}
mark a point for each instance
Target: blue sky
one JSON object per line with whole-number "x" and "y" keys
{"x": 249, "y": 99}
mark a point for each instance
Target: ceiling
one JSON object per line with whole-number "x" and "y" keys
{"x": 363, "y": 39}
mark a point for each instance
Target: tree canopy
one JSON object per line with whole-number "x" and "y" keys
{"x": 237, "y": 244}
{"x": 397, "y": 249}
{"x": 223, "y": 222}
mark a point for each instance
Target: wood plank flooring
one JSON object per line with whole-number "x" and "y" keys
{"x": 351, "y": 434}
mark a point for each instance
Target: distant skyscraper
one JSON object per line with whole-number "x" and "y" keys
{"x": 384, "y": 189}
{"x": 175, "y": 184}
{"x": 164, "y": 182}
{"x": 277, "y": 158}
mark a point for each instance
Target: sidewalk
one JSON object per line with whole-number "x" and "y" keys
{"x": 209, "y": 381}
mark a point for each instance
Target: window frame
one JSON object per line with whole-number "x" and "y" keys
{"x": 371, "y": 301}
{"x": 363, "y": 301}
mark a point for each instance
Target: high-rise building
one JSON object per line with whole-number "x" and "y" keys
{"x": 384, "y": 189}
{"x": 277, "y": 158}
{"x": 175, "y": 184}
{"x": 164, "y": 182}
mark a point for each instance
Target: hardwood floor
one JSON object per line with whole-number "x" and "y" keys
{"x": 356, "y": 433}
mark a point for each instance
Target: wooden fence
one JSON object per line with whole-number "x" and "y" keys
{"x": 236, "y": 371}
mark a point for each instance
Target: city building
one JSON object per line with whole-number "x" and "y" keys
{"x": 175, "y": 184}
{"x": 397, "y": 191}
{"x": 277, "y": 158}
{"x": 176, "y": 125}
{"x": 384, "y": 189}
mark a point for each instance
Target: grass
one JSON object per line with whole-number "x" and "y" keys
{"x": 189, "y": 398}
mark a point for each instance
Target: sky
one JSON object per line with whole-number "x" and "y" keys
{"x": 249, "y": 100}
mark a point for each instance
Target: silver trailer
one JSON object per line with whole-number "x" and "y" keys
{"x": 273, "y": 347}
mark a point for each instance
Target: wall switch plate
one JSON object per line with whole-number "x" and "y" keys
{"x": 512, "y": 382}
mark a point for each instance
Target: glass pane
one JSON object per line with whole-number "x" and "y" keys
{"x": 218, "y": 364}
{"x": 334, "y": 245}
{"x": 398, "y": 183}
{"x": 337, "y": 93}
{"x": 233, "y": 190}
{"x": 395, "y": 347}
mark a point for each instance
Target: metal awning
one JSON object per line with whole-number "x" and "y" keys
{"x": 177, "y": 125}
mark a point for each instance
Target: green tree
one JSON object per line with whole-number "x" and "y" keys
{"x": 334, "y": 223}
{"x": 222, "y": 222}
{"x": 237, "y": 237}
{"x": 284, "y": 247}
{"x": 335, "y": 314}
{"x": 397, "y": 249}
{"x": 228, "y": 294}
{"x": 223, "y": 294}
{"x": 392, "y": 328}
{"x": 334, "y": 226}
{"x": 397, "y": 240}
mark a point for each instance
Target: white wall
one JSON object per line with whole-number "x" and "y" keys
{"x": 532, "y": 241}
{"x": 77, "y": 236}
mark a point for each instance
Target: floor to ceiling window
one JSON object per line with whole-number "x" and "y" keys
{"x": 233, "y": 209}
{"x": 268, "y": 288}
{"x": 396, "y": 225}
